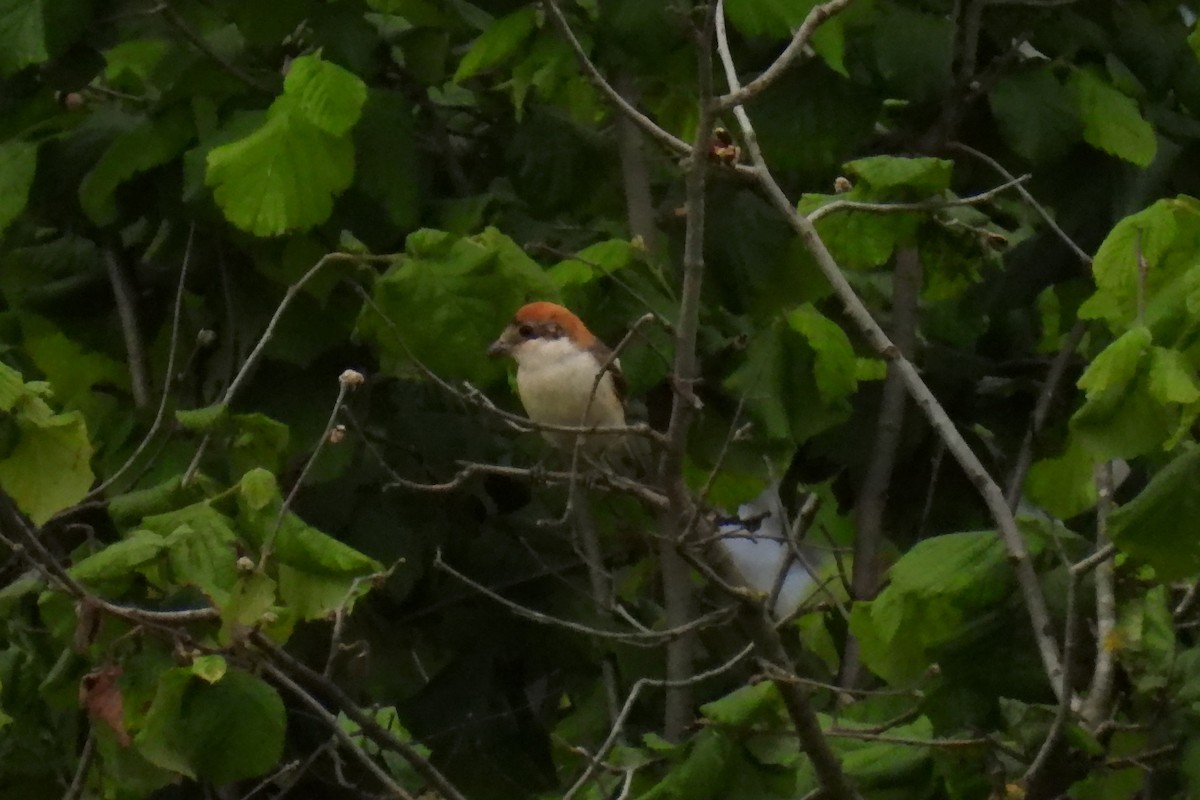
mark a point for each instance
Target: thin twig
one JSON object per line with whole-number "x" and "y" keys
{"x": 617, "y": 728}
{"x": 348, "y": 380}
{"x": 635, "y": 638}
{"x": 1046, "y": 752}
{"x": 369, "y": 725}
{"x": 268, "y": 333}
{"x": 1050, "y": 387}
{"x": 168, "y": 380}
{"x": 131, "y": 329}
{"x": 1084, "y": 258}
{"x": 933, "y": 204}
{"x": 337, "y": 729}
{"x": 81, "y": 770}
{"x": 740, "y": 95}
{"x": 670, "y": 141}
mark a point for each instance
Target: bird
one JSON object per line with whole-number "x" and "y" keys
{"x": 558, "y": 361}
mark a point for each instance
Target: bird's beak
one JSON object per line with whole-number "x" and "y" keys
{"x": 498, "y": 348}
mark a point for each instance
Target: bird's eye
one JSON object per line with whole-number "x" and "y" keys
{"x": 526, "y": 331}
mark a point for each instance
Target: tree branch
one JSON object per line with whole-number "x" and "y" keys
{"x": 740, "y": 95}
{"x": 1014, "y": 543}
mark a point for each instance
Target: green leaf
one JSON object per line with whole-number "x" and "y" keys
{"x": 252, "y": 597}
{"x": 1065, "y": 485}
{"x": 258, "y": 489}
{"x": 703, "y": 773}
{"x": 1153, "y": 232}
{"x": 836, "y": 367}
{"x": 281, "y": 177}
{"x": 447, "y": 299}
{"x": 886, "y": 174}
{"x": 308, "y": 549}
{"x": 779, "y": 18}
{"x": 32, "y": 31}
{"x": 1172, "y": 377}
{"x": 325, "y": 94}
{"x": 1159, "y": 525}
{"x": 936, "y": 589}
{"x": 778, "y": 380}
{"x": 151, "y": 143}
{"x": 1036, "y": 114}
{"x": 1116, "y": 365}
{"x": 1111, "y": 120}
{"x": 132, "y": 506}
{"x": 860, "y": 239}
{"x": 497, "y": 44}
{"x": 593, "y": 262}
{"x": 258, "y": 442}
{"x": 388, "y": 164}
{"x": 744, "y": 705}
{"x": 210, "y": 668}
{"x": 49, "y": 469}
{"x": 201, "y": 420}
{"x": 221, "y": 732}
{"x": 119, "y": 559}
{"x": 18, "y": 162}
{"x": 203, "y": 554}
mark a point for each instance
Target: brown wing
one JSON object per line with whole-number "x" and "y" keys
{"x": 620, "y": 385}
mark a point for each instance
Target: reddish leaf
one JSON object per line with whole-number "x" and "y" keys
{"x": 100, "y": 695}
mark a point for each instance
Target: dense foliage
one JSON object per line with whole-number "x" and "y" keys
{"x": 233, "y": 567}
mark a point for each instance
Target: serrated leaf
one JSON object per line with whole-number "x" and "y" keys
{"x": 1116, "y": 364}
{"x": 502, "y": 39}
{"x": 935, "y": 590}
{"x": 1064, "y": 485}
{"x": 220, "y": 732}
{"x": 1172, "y": 377}
{"x": 203, "y": 554}
{"x": 1111, "y": 120}
{"x": 50, "y": 467}
{"x": 1159, "y": 525}
{"x": 151, "y": 143}
{"x": 119, "y": 559}
{"x": 860, "y": 239}
{"x": 201, "y": 420}
{"x": 836, "y": 366}
{"x": 704, "y": 772}
{"x": 18, "y": 162}
{"x": 1151, "y": 232}
{"x": 448, "y": 298}
{"x": 1036, "y": 114}
{"x": 325, "y": 94}
{"x": 258, "y": 442}
{"x": 593, "y": 262}
{"x": 281, "y": 177}
{"x": 922, "y": 177}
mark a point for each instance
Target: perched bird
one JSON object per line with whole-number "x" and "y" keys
{"x": 558, "y": 360}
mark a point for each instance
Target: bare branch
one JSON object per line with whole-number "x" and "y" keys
{"x": 933, "y": 204}
{"x": 168, "y": 380}
{"x": 1054, "y": 378}
{"x": 670, "y": 141}
{"x": 635, "y": 638}
{"x": 252, "y": 360}
{"x": 1014, "y": 543}
{"x": 370, "y": 727}
{"x": 1095, "y": 707}
{"x": 1083, "y": 257}
{"x": 740, "y": 95}
{"x": 615, "y": 731}
{"x": 131, "y": 329}
{"x": 338, "y": 730}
